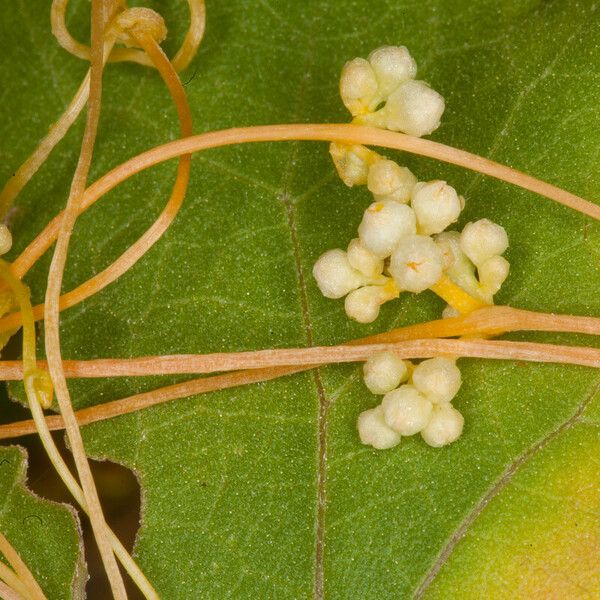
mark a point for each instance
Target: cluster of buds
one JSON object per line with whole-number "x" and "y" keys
{"x": 382, "y": 92}
{"x": 417, "y": 399}
{"x": 402, "y": 245}
{"x": 402, "y": 242}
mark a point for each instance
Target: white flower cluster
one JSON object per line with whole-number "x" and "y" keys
{"x": 422, "y": 404}
{"x": 388, "y": 77}
{"x": 382, "y": 92}
{"x": 400, "y": 244}
{"x": 401, "y": 247}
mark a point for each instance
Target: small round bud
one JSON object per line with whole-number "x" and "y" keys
{"x": 358, "y": 86}
{"x": 350, "y": 167}
{"x": 385, "y": 225}
{"x": 334, "y": 274}
{"x": 482, "y": 240}
{"x": 5, "y": 239}
{"x": 392, "y": 65}
{"x": 437, "y": 378}
{"x": 492, "y": 273}
{"x": 364, "y": 260}
{"x": 139, "y": 21}
{"x": 406, "y": 410}
{"x": 363, "y": 304}
{"x": 445, "y": 426}
{"x": 449, "y": 244}
{"x": 436, "y": 205}
{"x": 416, "y": 264}
{"x": 384, "y": 372}
{"x": 373, "y": 430}
{"x": 413, "y": 108}
{"x": 389, "y": 181}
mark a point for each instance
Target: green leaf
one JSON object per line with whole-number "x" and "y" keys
{"x": 265, "y": 491}
{"x": 45, "y": 534}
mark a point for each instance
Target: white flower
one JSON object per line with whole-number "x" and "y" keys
{"x": 5, "y": 239}
{"x": 492, "y": 273}
{"x": 351, "y": 168}
{"x": 406, "y": 410}
{"x": 373, "y": 430}
{"x": 413, "y": 108}
{"x": 436, "y": 205}
{"x": 364, "y": 260}
{"x": 390, "y": 182}
{"x": 392, "y": 65}
{"x": 334, "y": 274}
{"x": 384, "y": 372}
{"x": 363, "y": 304}
{"x": 445, "y": 426}
{"x": 439, "y": 379}
{"x": 358, "y": 86}
{"x": 482, "y": 240}
{"x": 385, "y": 225}
{"x": 416, "y": 264}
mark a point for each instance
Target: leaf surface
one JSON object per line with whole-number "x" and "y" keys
{"x": 45, "y": 534}
{"x": 265, "y": 491}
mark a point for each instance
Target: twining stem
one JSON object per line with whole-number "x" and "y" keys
{"x": 38, "y": 395}
{"x": 489, "y": 321}
{"x": 492, "y": 320}
{"x": 164, "y": 220}
{"x": 274, "y": 133}
{"x": 181, "y": 60}
{"x": 220, "y": 362}
{"x": 10, "y": 578}
{"x": 8, "y": 593}
{"x": 52, "y": 311}
{"x": 32, "y": 589}
{"x": 57, "y": 132}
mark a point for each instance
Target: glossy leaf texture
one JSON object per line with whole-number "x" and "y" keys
{"x": 265, "y": 491}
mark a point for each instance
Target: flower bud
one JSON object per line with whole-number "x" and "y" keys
{"x": 445, "y": 426}
{"x": 405, "y": 410}
{"x": 436, "y": 205}
{"x": 363, "y": 304}
{"x": 373, "y": 430}
{"x": 5, "y": 239}
{"x": 334, "y": 274}
{"x": 384, "y": 225}
{"x": 492, "y": 273}
{"x": 482, "y": 240}
{"x": 389, "y": 181}
{"x": 384, "y": 372}
{"x": 364, "y": 260}
{"x": 352, "y": 169}
{"x": 416, "y": 264}
{"x": 413, "y": 108}
{"x": 439, "y": 379}
{"x": 358, "y": 86}
{"x": 392, "y": 65}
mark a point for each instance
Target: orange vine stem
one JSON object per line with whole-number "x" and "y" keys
{"x": 305, "y": 132}
{"x": 491, "y": 320}
{"x": 179, "y": 364}
{"x": 340, "y": 133}
{"x": 52, "y": 310}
